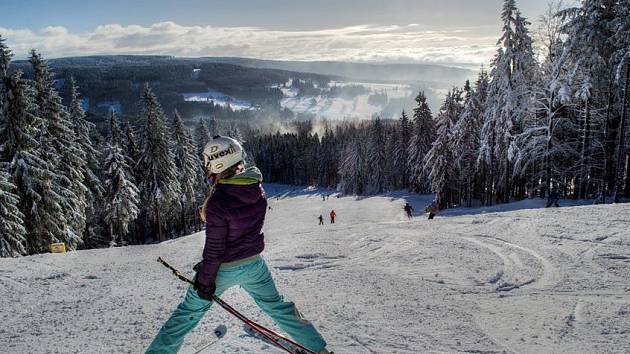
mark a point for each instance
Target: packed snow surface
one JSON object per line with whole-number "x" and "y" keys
{"x": 516, "y": 278}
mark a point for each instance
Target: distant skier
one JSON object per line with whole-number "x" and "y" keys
{"x": 234, "y": 213}
{"x": 321, "y": 219}
{"x": 323, "y": 197}
{"x": 553, "y": 199}
{"x": 432, "y": 209}
{"x": 332, "y": 216}
{"x": 408, "y": 209}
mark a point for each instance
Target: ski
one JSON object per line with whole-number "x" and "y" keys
{"x": 219, "y": 333}
{"x": 280, "y": 341}
{"x": 285, "y": 345}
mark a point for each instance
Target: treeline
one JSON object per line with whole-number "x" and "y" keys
{"x": 529, "y": 127}
{"x": 61, "y": 182}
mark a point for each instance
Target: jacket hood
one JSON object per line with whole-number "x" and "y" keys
{"x": 244, "y": 186}
{"x": 250, "y": 175}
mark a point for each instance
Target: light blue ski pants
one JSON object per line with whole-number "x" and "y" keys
{"x": 254, "y": 277}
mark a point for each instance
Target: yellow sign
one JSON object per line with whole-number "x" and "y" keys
{"x": 58, "y": 247}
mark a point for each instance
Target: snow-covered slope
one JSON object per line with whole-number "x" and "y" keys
{"x": 355, "y": 107}
{"x": 218, "y": 98}
{"x": 522, "y": 281}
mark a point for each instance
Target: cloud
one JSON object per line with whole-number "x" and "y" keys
{"x": 393, "y": 43}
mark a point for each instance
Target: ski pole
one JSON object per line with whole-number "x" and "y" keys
{"x": 266, "y": 332}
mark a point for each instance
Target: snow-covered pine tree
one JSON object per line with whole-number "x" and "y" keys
{"x": 121, "y": 197}
{"x": 301, "y": 161}
{"x": 589, "y": 29}
{"x": 5, "y": 60}
{"x": 486, "y": 161}
{"x": 235, "y": 133}
{"x": 525, "y": 71}
{"x": 213, "y": 127}
{"x": 19, "y": 125}
{"x": 190, "y": 172}
{"x": 459, "y": 190}
{"x": 623, "y": 153}
{"x": 352, "y": 165}
{"x": 393, "y": 167}
{"x": 116, "y": 134}
{"x": 328, "y": 159}
{"x": 158, "y": 185}
{"x": 12, "y": 231}
{"x": 5, "y": 57}
{"x": 546, "y": 148}
{"x": 400, "y": 155}
{"x": 376, "y": 159}
{"x": 621, "y": 56}
{"x": 132, "y": 151}
{"x": 509, "y": 101}
{"x": 420, "y": 142}
{"x": 466, "y": 138}
{"x": 60, "y": 148}
{"x": 202, "y": 136}
{"x": 439, "y": 162}
{"x": 43, "y": 207}
{"x": 82, "y": 130}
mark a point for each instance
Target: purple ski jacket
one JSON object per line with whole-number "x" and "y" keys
{"x": 234, "y": 219}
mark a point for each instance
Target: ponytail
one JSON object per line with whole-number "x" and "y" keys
{"x": 204, "y": 207}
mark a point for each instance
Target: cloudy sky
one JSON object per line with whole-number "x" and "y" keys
{"x": 455, "y": 31}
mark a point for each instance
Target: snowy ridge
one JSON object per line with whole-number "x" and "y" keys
{"x": 529, "y": 280}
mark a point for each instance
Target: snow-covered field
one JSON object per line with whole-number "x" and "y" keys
{"x": 519, "y": 281}
{"x": 219, "y": 98}
{"x": 357, "y": 107}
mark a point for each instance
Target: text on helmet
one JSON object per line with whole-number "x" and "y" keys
{"x": 230, "y": 150}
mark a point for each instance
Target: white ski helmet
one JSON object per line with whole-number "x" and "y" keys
{"x": 221, "y": 153}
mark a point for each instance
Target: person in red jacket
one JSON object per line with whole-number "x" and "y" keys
{"x": 332, "y": 216}
{"x": 234, "y": 213}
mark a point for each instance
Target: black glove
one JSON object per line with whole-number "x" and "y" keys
{"x": 205, "y": 291}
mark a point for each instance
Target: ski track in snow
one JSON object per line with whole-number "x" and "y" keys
{"x": 506, "y": 279}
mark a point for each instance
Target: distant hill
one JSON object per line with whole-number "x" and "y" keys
{"x": 110, "y": 60}
{"x": 116, "y": 82}
{"x": 356, "y": 71}
{"x": 186, "y": 84}
{"x": 362, "y": 71}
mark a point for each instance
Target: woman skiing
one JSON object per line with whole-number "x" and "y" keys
{"x": 234, "y": 213}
